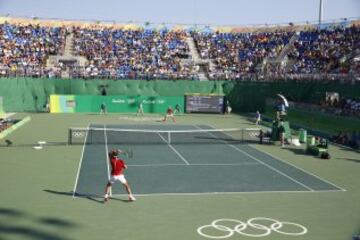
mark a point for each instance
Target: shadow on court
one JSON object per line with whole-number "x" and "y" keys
{"x": 297, "y": 151}
{"x": 70, "y": 194}
{"x": 96, "y": 199}
{"x": 12, "y": 227}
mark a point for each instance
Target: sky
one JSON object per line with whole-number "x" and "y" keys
{"x": 208, "y": 12}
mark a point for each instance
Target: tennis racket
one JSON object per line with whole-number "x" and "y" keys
{"x": 128, "y": 153}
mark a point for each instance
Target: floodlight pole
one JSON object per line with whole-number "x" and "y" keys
{"x": 321, "y": 9}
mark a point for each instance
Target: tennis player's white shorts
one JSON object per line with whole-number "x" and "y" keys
{"x": 120, "y": 178}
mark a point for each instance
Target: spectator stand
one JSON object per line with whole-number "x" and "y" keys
{"x": 114, "y": 51}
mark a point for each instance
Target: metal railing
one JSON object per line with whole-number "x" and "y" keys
{"x": 80, "y": 72}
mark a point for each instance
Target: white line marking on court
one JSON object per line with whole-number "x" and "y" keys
{"x": 177, "y": 153}
{"x": 107, "y": 156}
{"x": 324, "y": 180}
{"x": 258, "y": 160}
{"x": 225, "y": 193}
{"x": 196, "y": 164}
{"x": 80, "y": 162}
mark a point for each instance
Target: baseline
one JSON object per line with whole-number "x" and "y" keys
{"x": 226, "y": 193}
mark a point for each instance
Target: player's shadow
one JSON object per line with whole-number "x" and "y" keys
{"x": 88, "y": 197}
{"x": 71, "y": 194}
{"x": 297, "y": 151}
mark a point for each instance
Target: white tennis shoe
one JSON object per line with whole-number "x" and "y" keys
{"x": 132, "y": 198}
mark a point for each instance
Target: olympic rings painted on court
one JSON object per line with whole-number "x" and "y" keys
{"x": 78, "y": 134}
{"x": 257, "y": 227}
{"x": 253, "y": 134}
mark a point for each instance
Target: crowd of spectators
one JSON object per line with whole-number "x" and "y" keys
{"x": 326, "y": 50}
{"x": 140, "y": 54}
{"x": 331, "y": 53}
{"x": 24, "y": 49}
{"x": 238, "y": 54}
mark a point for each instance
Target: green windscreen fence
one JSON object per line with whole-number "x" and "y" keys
{"x": 27, "y": 94}
{"x": 89, "y": 103}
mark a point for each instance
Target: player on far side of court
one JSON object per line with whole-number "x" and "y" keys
{"x": 177, "y": 109}
{"x": 257, "y": 118}
{"x": 169, "y": 113}
{"x": 117, "y": 167}
{"x": 228, "y": 108}
{"x": 103, "y": 109}
{"x": 140, "y": 110}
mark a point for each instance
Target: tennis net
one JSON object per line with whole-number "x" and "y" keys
{"x": 146, "y": 136}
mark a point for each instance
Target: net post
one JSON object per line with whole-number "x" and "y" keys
{"x": 89, "y": 132}
{"x": 70, "y": 136}
{"x": 242, "y": 135}
{"x": 169, "y": 137}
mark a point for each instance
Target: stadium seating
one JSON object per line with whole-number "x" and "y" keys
{"x": 325, "y": 51}
{"x": 118, "y": 53}
{"x": 24, "y": 49}
{"x": 141, "y": 54}
{"x": 242, "y": 53}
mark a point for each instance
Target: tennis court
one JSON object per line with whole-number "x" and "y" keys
{"x": 228, "y": 179}
{"x": 188, "y": 159}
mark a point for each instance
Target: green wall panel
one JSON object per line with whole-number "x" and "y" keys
{"x": 27, "y": 94}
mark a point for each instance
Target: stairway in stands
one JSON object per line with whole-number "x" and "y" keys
{"x": 282, "y": 61}
{"x": 68, "y": 52}
{"x": 68, "y": 59}
{"x": 204, "y": 65}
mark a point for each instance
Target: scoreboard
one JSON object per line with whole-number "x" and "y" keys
{"x": 204, "y": 103}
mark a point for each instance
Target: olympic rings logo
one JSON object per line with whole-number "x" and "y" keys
{"x": 78, "y": 134}
{"x": 254, "y": 227}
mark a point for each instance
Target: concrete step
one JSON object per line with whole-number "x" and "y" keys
{"x": 69, "y": 45}
{"x": 193, "y": 50}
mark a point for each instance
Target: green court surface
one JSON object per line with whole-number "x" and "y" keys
{"x": 188, "y": 167}
{"x": 196, "y": 190}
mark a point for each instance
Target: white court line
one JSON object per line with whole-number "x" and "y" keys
{"x": 324, "y": 180}
{"x": 226, "y": 193}
{"x": 217, "y": 193}
{"x": 177, "y": 153}
{"x": 258, "y": 160}
{"x": 80, "y": 162}
{"x": 107, "y": 156}
{"x": 195, "y": 164}
{"x": 311, "y": 174}
{"x": 7, "y": 115}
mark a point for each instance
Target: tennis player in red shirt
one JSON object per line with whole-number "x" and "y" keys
{"x": 117, "y": 167}
{"x": 169, "y": 113}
